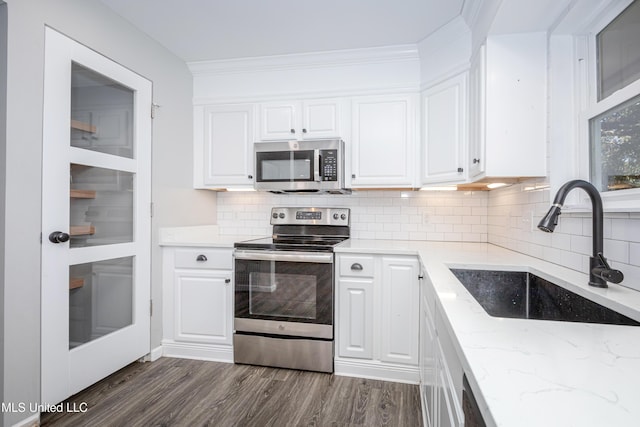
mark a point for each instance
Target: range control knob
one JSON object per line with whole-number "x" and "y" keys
{"x": 274, "y": 215}
{"x": 336, "y": 216}
{"x": 343, "y": 216}
{"x": 281, "y": 215}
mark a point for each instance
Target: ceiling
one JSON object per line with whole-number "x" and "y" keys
{"x": 197, "y": 30}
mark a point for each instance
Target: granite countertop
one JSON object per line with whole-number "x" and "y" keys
{"x": 532, "y": 372}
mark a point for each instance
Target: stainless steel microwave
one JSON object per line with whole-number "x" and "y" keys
{"x": 300, "y": 166}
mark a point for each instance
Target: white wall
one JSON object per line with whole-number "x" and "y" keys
{"x": 91, "y": 23}
{"x": 343, "y": 73}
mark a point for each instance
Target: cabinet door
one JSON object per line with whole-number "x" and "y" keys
{"x": 400, "y": 311}
{"x": 477, "y": 118}
{"x": 428, "y": 369}
{"x": 355, "y": 314}
{"x": 444, "y": 118}
{"x": 383, "y": 146}
{"x": 449, "y": 411}
{"x": 203, "y": 301}
{"x": 321, "y": 118}
{"x": 279, "y": 120}
{"x": 228, "y": 146}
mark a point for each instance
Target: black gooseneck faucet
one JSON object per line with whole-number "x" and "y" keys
{"x": 599, "y": 272}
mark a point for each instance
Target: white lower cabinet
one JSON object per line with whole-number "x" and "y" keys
{"x": 440, "y": 368}
{"x": 198, "y": 303}
{"x": 377, "y": 308}
{"x": 356, "y": 317}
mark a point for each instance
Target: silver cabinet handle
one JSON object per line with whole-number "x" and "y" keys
{"x": 356, "y": 266}
{"x": 201, "y": 257}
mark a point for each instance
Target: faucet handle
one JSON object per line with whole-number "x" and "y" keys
{"x": 605, "y": 272}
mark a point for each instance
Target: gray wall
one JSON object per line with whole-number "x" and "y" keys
{"x": 96, "y": 26}
{"x": 3, "y": 144}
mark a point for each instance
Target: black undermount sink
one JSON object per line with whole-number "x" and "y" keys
{"x": 523, "y": 295}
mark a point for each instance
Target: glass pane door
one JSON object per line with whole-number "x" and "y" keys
{"x": 101, "y": 206}
{"x": 96, "y": 191}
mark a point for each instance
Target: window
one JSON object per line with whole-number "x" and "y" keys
{"x": 614, "y": 125}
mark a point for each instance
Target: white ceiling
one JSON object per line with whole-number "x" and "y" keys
{"x": 197, "y": 30}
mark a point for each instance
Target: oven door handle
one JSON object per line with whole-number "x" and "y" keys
{"x": 286, "y": 256}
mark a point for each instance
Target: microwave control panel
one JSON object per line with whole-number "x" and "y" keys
{"x": 329, "y": 165}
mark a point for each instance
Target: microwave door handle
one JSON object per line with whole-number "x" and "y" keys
{"x": 316, "y": 166}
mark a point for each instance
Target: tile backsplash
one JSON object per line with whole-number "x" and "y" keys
{"x": 514, "y": 212}
{"x": 506, "y": 217}
{"x": 402, "y": 215}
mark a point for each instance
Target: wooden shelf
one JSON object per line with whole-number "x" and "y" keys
{"x": 82, "y": 230}
{"x": 76, "y": 282}
{"x": 83, "y": 194}
{"x": 85, "y": 127}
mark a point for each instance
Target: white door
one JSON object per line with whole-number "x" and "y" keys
{"x": 95, "y": 218}
{"x": 228, "y": 145}
{"x": 279, "y": 120}
{"x": 444, "y": 118}
{"x": 383, "y": 141}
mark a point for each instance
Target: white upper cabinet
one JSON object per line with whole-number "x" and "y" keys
{"x": 444, "y": 131}
{"x": 477, "y": 115}
{"x": 308, "y": 119}
{"x": 508, "y": 99}
{"x": 223, "y": 152}
{"x": 384, "y": 141}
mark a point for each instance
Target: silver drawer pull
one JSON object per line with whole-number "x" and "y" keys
{"x": 356, "y": 266}
{"x": 201, "y": 258}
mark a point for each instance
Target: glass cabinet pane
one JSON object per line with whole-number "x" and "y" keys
{"x": 101, "y": 206}
{"x": 101, "y": 113}
{"x": 100, "y": 299}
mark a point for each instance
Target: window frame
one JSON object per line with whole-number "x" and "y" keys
{"x": 589, "y": 107}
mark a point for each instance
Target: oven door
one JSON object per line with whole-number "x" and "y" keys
{"x": 284, "y": 293}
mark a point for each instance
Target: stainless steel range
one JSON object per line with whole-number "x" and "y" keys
{"x": 284, "y": 290}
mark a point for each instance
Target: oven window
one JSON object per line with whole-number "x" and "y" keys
{"x": 284, "y": 291}
{"x": 282, "y": 295}
{"x": 284, "y": 166}
{"x": 286, "y": 170}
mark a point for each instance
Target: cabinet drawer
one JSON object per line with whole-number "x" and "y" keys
{"x": 212, "y": 258}
{"x": 358, "y": 266}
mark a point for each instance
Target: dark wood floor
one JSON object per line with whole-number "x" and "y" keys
{"x": 180, "y": 392}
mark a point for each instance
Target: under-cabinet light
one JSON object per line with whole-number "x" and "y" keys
{"x": 447, "y": 188}
{"x": 496, "y": 185}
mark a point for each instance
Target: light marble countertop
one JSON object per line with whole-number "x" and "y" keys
{"x": 199, "y": 236}
{"x": 523, "y": 372}
{"x": 533, "y": 372}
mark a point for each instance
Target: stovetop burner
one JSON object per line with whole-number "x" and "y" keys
{"x": 303, "y": 229}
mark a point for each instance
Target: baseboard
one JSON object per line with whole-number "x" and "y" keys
{"x": 212, "y": 352}
{"x": 154, "y": 354}
{"x": 376, "y": 370}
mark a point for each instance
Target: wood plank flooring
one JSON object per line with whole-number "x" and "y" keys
{"x": 181, "y": 392}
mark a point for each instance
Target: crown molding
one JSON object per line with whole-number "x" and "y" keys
{"x": 349, "y": 57}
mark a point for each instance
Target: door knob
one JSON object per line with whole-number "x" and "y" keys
{"x": 58, "y": 237}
